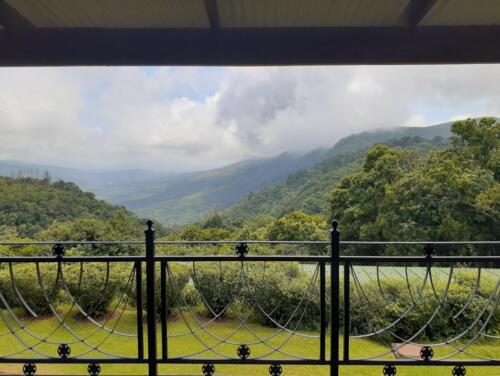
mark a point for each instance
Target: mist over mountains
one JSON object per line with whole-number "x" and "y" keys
{"x": 183, "y": 198}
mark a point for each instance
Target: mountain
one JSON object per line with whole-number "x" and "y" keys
{"x": 173, "y": 198}
{"x": 106, "y": 185}
{"x": 366, "y": 139}
{"x": 307, "y": 190}
{"x": 187, "y": 198}
{"x": 30, "y": 205}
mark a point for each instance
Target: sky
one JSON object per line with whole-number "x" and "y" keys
{"x": 193, "y": 118}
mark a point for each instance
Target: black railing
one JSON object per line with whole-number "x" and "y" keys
{"x": 148, "y": 283}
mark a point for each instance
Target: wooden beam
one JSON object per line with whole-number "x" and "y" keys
{"x": 266, "y": 46}
{"x": 12, "y": 21}
{"x": 417, "y": 10}
{"x": 213, "y": 13}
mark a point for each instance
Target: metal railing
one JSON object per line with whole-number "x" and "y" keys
{"x": 149, "y": 285}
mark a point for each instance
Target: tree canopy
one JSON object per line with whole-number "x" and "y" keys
{"x": 450, "y": 194}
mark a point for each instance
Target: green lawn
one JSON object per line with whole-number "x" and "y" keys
{"x": 184, "y": 345}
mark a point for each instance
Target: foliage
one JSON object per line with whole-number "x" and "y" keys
{"x": 449, "y": 194}
{"x": 392, "y": 299}
{"x": 189, "y": 197}
{"x": 31, "y": 205}
{"x": 177, "y": 278}
{"x": 119, "y": 226}
{"x": 218, "y": 285}
{"x": 93, "y": 286}
{"x": 197, "y": 232}
{"x": 308, "y": 190}
{"x": 286, "y": 294}
{"x": 28, "y": 283}
{"x": 298, "y": 226}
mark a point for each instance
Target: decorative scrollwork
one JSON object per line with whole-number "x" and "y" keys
{"x": 64, "y": 351}
{"x": 58, "y": 250}
{"x": 389, "y": 370}
{"x": 242, "y": 249}
{"x": 275, "y": 369}
{"x": 94, "y": 369}
{"x": 459, "y": 371}
{"x": 29, "y": 369}
{"x": 243, "y": 351}
{"x": 208, "y": 369}
{"x": 426, "y": 353}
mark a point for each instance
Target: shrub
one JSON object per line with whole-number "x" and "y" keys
{"x": 28, "y": 285}
{"x": 176, "y": 282}
{"x": 92, "y": 288}
{"x": 274, "y": 289}
{"x": 384, "y": 310}
{"x": 218, "y": 285}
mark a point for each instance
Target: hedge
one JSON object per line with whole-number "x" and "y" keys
{"x": 27, "y": 283}
{"x": 270, "y": 287}
{"x": 96, "y": 288}
{"x": 176, "y": 281}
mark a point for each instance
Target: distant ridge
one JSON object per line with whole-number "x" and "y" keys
{"x": 369, "y": 138}
{"x": 307, "y": 190}
{"x": 188, "y": 197}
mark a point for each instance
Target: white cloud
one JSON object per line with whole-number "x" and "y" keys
{"x": 192, "y": 118}
{"x": 417, "y": 120}
{"x": 460, "y": 117}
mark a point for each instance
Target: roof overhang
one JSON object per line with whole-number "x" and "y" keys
{"x": 248, "y": 32}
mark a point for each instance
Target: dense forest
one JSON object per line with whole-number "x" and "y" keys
{"x": 308, "y": 190}
{"x": 449, "y": 194}
{"x": 38, "y": 209}
{"x": 406, "y": 188}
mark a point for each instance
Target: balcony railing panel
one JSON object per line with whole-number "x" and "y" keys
{"x": 59, "y": 318}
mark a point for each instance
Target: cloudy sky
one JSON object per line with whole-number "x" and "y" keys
{"x": 180, "y": 119}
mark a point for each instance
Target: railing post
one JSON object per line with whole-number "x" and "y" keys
{"x": 163, "y": 301}
{"x": 347, "y": 308}
{"x": 335, "y": 296}
{"x": 322, "y": 297}
{"x": 150, "y": 295}
{"x": 140, "y": 321}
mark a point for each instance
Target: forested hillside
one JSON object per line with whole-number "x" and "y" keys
{"x": 450, "y": 194}
{"x": 30, "y": 206}
{"x": 405, "y": 189}
{"x": 366, "y": 139}
{"x": 189, "y": 197}
{"x": 183, "y": 198}
{"x": 308, "y": 190}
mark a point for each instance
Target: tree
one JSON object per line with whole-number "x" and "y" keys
{"x": 481, "y": 138}
{"x": 449, "y": 194}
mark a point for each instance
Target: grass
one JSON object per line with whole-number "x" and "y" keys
{"x": 184, "y": 345}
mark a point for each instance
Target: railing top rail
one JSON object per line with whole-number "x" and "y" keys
{"x": 179, "y": 258}
{"x": 217, "y": 242}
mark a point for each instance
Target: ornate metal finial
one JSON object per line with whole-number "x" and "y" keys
{"x": 150, "y": 224}
{"x": 389, "y": 370}
{"x": 243, "y": 352}
{"x": 29, "y": 369}
{"x": 208, "y": 369}
{"x": 58, "y": 250}
{"x": 94, "y": 369}
{"x": 64, "y": 350}
{"x": 429, "y": 250}
{"x": 459, "y": 371}
{"x": 335, "y": 224}
{"x": 426, "y": 353}
{"x": 242, "y": 249}
{"x": 275, "y": 369}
